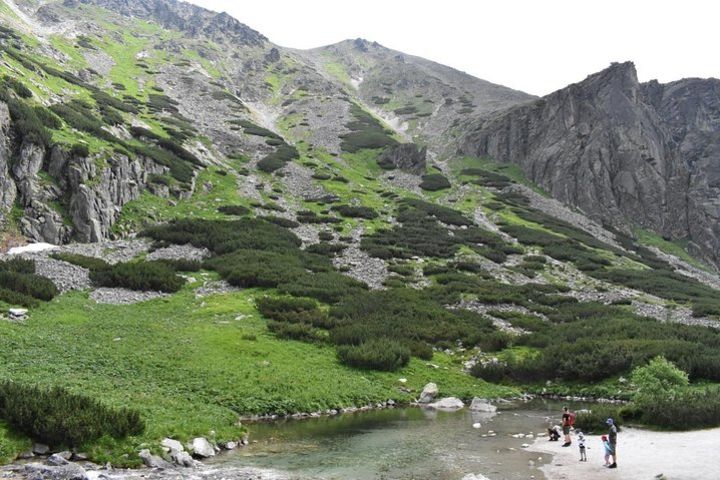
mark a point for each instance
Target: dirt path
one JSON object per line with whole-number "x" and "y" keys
{"x": 642, "y": 454}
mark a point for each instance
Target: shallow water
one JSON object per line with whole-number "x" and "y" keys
{"x": 406, "y": 443}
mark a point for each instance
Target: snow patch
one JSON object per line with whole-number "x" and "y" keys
{"x": 32, "y": 248}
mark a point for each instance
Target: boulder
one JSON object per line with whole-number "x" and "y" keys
{"x": 429, "y": 392}
{"x": 153, "y": 461}
{"x": 26, "y": 455}
{"x": 57, "y": 460}
{"x": 200, "y": 447}
{"x": 475, "y": 476}
{"x": 182, "y": 458}
{"x": 18, "y": 314}
{"x": 449, "y": 403}
{"x": 40, "y": 449}
{"x": 172, "y": 445}
{"x": 70, "y": 471}
{"x": 65, "y": 454}
{"x": 230, "y": 445}
{"x": 482, "y": 405}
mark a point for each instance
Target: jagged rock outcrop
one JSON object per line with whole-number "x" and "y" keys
{"x": 623, "y": 152}
{"x": 405, "y": 156}
{"x": 190, "y": 19}
{"x": 7, "y": 186}
{"x": 64, "y": 196}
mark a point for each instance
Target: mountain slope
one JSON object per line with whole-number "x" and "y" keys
{"x": 243, "y": 235}
{"x": 423, "y": 99}
{"x": 249, "y": 100}
{"x": 627, "y": 154}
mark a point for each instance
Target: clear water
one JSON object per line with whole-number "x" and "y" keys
{"x": 408, "y": 443}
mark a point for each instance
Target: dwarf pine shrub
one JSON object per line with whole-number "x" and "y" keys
{"x": 60, "y": 418}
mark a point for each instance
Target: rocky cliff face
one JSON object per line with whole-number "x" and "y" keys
{"x": 623, "y": 152}
{"x": 62, "y": 196}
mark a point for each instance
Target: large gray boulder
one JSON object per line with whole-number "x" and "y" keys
{"x": 482, "y": 405}
{"x": 429, "y": 392}
{"x": 69, "y": 471}
{"x": 201, "y": 447}
{"x": 58, "y": 459}
{"x": 172, "y": 445}
{"x": 449, "y": 403}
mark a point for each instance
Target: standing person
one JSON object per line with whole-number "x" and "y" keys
{"x": 568, "y": 419}
{"x": 581, "y": 444}
{"x": 608, "y": 450}
{"x": 612, "y": 440}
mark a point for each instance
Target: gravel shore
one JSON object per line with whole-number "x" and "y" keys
{"x": 642, "y": 455}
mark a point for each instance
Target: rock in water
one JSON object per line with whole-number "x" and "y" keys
{"x": 429, "y": 392}
{"x": 475, "y": 476}
{"x": 182, "y": 458}
{"x": 200, "y": 447}
{"x": 153, "y": 461}
{"x": 482, "y": 405}
{"x": 71, "y": 471}
{"x": 57, "y": 460}
{"x": 449, "y": 403}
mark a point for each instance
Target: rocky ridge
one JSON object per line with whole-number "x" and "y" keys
{"x": 625, "y": 153}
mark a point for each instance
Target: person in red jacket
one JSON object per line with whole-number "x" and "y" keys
{"x": 567, "y": 422}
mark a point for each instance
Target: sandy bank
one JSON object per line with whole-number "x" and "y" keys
{"x": 642, "y": 454}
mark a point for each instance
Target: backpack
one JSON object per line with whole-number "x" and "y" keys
{"x": 571, "y": 419}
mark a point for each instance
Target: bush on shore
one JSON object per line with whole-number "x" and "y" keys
{"x": 60, "y": 418}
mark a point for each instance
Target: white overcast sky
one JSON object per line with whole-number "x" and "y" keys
{"x": 535, "y": 46}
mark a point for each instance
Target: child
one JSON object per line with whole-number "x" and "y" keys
{"x": 608, "y": 449}
{"x": 581, "y": 443}
{"x": 554, "y": 433}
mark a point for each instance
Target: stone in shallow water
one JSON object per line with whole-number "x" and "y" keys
{"x": 153, "y": 461}
{"x": 182, "y": 458}
{"x": 482, "y": 405}
{"x": 202, "y": 448}
{"x": 449, "y": 403}
{"x": 71, "y": 471}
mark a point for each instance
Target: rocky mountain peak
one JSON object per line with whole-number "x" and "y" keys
{"x": 190, "y": 19}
